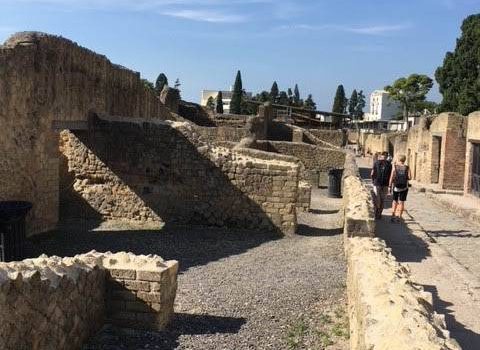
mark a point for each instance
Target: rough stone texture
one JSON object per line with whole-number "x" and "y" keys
{"x": 436, "y": 151}
{"x": 164, "y": 171}
{"x": 45, "y": 78}
{"x": 304, "y": 196}
{"x": 473, "y": 136}
{"x": 315, "y": 159}
{"x": 57, "y": 303}
{"x": 222, "y": 134}
{"x": 373, "y": 142}
{"x": 358, "y": 203}
{"x": 170, "y": 98}
{"x": 337, "y": 138}
{"x": 382, "y": 299}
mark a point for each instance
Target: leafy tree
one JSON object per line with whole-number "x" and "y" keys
{"x": 459, "y": 77}
{"x": 290, "y": 96}
{"x": 148, "y": 85}
{"x": 211, "y": 103}
{"x": 309, "y": 103}
{"x": 219, "y": 103}
{"x": 361, "y": 103}
{"x": 409, "y": 91}
{"x": 264, "y": 96}
{"x": 274, "y": 92}
{"x": 429, "y": 106}
{"x": 160, "y": 83}
{"x": 236, "y": 102}
{"x": 352, "y": 103}
{"x": 296, "y": 97}
{"x": 340, "y": 101}
{"x": 283, "y": 98}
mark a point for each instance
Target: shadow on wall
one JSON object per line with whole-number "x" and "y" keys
{"x": 466, "y": 338}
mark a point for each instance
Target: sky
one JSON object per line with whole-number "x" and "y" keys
{"x": 317, "y": 44}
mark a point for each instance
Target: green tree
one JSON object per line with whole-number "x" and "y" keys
{"x": 283, "y": 98}
{"x": 148, "y": 85}
{"x": 237, "y": 95}
{"x": 274, "y": 92}
{"x": 340, "y": 101}
{"x": 459, "y": 76}
{"x": 296, "y": 95}
{"x": 310, "y": 103}
{"x": 352, "y": 103}
{"x": 177, "y": 84}
{"x": 264, "y": 96}
{"x": 409, "y": 91}
{"x": 210, "y": 103}
{"x": 160, "y": 83}
{"x": 361, "y": 103}
{"x": 290, "y": 96}
{"x": 219, "y": 103}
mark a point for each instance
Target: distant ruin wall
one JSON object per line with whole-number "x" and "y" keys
{"x": 315, "y": 159}
{"x": 473, "y": 136}
{"x": 164, "y": 171}
{"x": 55, "y": 303}
{"x": 45, "y": 78}
{"x": 335, "y": 137}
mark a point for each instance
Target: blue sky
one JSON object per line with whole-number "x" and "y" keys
{"x": 315, "y": 43}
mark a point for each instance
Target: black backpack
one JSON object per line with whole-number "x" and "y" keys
{"x": 401, "y": 177}
{"x": 382, "y": 173}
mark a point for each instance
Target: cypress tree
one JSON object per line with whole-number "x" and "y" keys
{"x": 219, "y": 103}
{"x": 236, "y": 102}
{"x": 339, "y": 103}
{"x": 274, "y": 92}
{"x": 309, "y": 103}
{"x": 352, "y": 103}
{"x": 160, "y": 83}
{"x": 296, "y": 97}
{"x": 210, "y": 103}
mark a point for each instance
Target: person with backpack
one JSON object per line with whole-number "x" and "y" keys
{"x": 381, "y": 172}
{"x": 399, "y": 180}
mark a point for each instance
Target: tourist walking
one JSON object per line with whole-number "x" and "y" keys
{"x": 381, "y": 172}
{"x": 399, "y": 182}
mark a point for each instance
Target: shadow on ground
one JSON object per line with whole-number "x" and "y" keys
{"x": 111, "y": 337}
{"x": 191, "y": 246}
{"x": 467, "y": 339}
{"x": 306, "y": 230}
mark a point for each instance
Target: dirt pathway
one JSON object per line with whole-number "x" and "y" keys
{"x": 443, "y": 252}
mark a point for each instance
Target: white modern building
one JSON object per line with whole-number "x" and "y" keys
{"x": 382, "y": 107}
{"x": 226, "y": 98}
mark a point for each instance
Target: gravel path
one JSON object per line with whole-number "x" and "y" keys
{"x": 237, "y": 289}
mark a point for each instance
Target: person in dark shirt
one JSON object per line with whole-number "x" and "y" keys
{"x": 380, "y": 175}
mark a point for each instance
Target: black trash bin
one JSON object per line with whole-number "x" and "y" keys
{"x": 335, "y": 183}
{"x": 12, "y": 229}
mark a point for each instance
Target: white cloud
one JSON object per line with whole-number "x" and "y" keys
{"x": 365, "y": 30}
{"x": 206, "y": 16}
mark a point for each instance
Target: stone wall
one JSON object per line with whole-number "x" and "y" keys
{"x": 373, "y": 142}
{"x": 45, "y": 78}
{"x": 222, "y": 134}
{"x": 381, "y": 295}
{"x": 315, "y": 159}
{"x": 473, "y": 136}
{"x": 387, "y": 310}
{"x": 359, "y": 218}
{"x": 55, "y": 303}
{"x": 166, "y": 172}
{"x": 334, "y": 137}
{"x": 436, "y": 151}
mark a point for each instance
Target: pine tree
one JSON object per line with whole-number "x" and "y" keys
{"x": 352, "y": 103}
{"x": 219, "y": 103}
{"x": 160, "y": 83}
{"x": 296, "y": 97}
{"x": 361, "y": 103}
{"x": 459, "y": 77}
{"x": 340, "y": 102}
{"x": 309, "y": 103}
{"x": 236, "y": 102}
{"x": 274, "y": 92}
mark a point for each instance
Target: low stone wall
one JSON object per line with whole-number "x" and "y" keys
{"x": 386, "y": 310}
{"x": 57, "y": 303}
{"x": 315, "y": 159}
{"x": 222, "y": 134}
{"x": 337, "y": 138}
{"x": 358, "y": 203}
{"x": 304, "y": 196}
